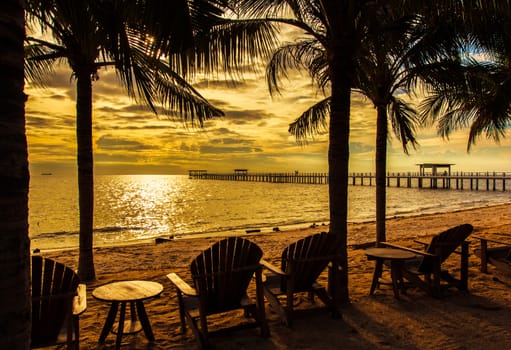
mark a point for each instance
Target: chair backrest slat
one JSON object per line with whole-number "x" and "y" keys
{"x": 53, "y": 288}
{"x": 222, "y": 273}
{"x": 307, "y": 258}
{"x": 444, "y": 244}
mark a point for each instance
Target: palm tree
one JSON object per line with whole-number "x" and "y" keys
{"x": 380, "y": 76}
{"x": 14, "y": 242}
{"x": 335, "y": 29}
{"x": 129, "y": 36}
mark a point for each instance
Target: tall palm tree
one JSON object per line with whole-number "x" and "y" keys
{"x": 14, "y": 180}
{"x": 336, "y": 28}
{"x": 380, "y": 76}
{"x": 129, "y": 36}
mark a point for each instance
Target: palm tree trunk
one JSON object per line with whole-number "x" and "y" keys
{"x": 15, "y": 310}
{"x": 381, "y": 169}
{"x": 341, "y": 71}
{"x": 85, "y": 173}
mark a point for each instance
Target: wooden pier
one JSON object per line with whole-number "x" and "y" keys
{"x": 474, "y": 181}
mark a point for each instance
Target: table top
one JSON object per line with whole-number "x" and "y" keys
{"x": 388, "y": 253}
{"x": 124, "y": 291}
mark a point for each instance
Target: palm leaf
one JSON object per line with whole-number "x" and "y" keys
{"x": 404, "y": 119}
{"x": 312, "y": 121}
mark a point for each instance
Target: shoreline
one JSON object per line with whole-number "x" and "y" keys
{"x": 402, "y": 229}
{"x": 282, "y": 228}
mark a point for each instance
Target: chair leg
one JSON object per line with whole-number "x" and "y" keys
{"x": 329, "y": 302}
{"x": 260, "y": 312}
{"x": 289, "y": 309}
{"x": 181, "y": 311}
{"x": 464, "y": 266}
{"x": 435, "y": 287}
{"x": 276, "y": 305}
{"x": 76, "y": 328}
{"x": 202, "y": 333}
{"x": 334, "y": 270}
{"x": 484, "y": 256}
{"x": 197, "y": 332}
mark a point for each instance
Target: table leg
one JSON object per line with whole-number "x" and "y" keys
{"x": 144, "y": 320}
{"x": 120, "y": 330}
{"x": 376, "y": 276}
{"x": 397, "y": 278}
{"x": 109, "y": 321}
{"x": 133, "y": 313}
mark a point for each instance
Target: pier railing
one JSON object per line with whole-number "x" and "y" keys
{"x": 475, "y": 181}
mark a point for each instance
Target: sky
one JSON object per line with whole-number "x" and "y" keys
{"x": 130, "y": 139}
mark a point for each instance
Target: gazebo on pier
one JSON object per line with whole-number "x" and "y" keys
{"x": 434, "y": 168}
{"x": 434, "y": 173}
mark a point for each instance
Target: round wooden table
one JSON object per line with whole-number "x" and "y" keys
{"x": 396, "y": 257}
{"x": 123, "y": 292}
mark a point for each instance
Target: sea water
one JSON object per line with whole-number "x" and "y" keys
{"x": 134, "y": 208}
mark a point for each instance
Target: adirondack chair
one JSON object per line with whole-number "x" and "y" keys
{"x": 221, "y": 275}
{"x": 58, "y": 299}
{"x": 301, "y": 264}
{"x": 499, "y": 255}
{"x": 426, "y": 270}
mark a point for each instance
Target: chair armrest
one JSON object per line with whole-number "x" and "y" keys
{"x": 418, "y": 252}
{"x": 320, "y": 258}
{"x": 80, "y": 300}
{"x": 492, "y": 240}
{"x": 272, "y": 268}
{"x": 425, "y": 244}
{"x": 182, "y": 285}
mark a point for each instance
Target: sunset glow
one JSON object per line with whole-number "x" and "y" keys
{"x": 130, "y": 139}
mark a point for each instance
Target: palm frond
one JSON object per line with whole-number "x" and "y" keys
{"x": 263, "y": 8}
{"x": 40, "y": 60}
{"x": 313, "y": 121}
{"x": 158, "y": 84}
{"x": 404, "y": 120}
{"x": 304, "y": 54}
{"x": 475, "y": 95}
{"x": 233, "y": 46}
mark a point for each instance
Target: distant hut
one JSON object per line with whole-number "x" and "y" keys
{"x": 435, "y": 167}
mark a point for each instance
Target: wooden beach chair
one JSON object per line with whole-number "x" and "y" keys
{"x": 497, "y": 253}
{"x": 221, "y": 276}
{"x": 426, "y": 270}
{"x": 301, "y": 264}
{"x": 58, "y": 299}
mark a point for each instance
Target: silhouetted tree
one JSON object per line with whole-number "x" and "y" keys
{"x": 14, "y": 181}
{"x": 129, "y": 36}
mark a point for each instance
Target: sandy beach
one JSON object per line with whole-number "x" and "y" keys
{"x": 479, "y": 319}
